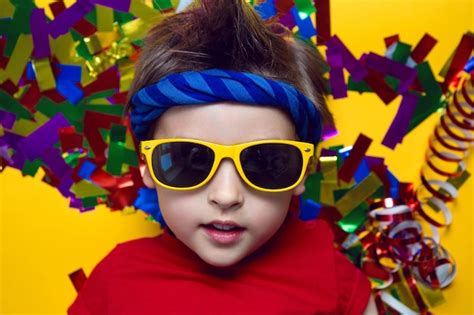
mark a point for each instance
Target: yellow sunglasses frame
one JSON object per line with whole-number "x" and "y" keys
{"x": 226, "y": 151}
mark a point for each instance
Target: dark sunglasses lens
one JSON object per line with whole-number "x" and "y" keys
{"x": 272, "y": 165}
{"x": 182, "y": 164}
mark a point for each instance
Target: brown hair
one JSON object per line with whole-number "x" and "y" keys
{"x": 229, "y": 34}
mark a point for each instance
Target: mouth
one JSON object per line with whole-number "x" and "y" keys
{"x": 223, "y": 232}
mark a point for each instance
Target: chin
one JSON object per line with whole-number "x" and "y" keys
{"x": 222, "y": 262}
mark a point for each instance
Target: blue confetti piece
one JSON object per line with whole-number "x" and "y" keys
{"x": 469, "y": 65}
{"x": 394, "y": 184}
{"x": 86, "y": 170}
{"x": 147, "y": 201}
{"x": 305, "y": 26}
{"x": 362, "y": 171}
{"x": 309, "y": 209}
{"x": 30, "y": 72}
{"x": 70, "y": 73}
{"x": 69, "y": 90}
{"x": 266, "y": 9}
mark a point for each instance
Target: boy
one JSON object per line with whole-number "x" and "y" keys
{"x": 228, "y": 111}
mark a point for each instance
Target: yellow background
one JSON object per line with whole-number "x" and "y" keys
{"x": 43, "y": 240}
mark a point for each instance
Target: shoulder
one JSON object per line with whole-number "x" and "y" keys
{"x": 353, "y": 285}
{"x": 93, "y": 296}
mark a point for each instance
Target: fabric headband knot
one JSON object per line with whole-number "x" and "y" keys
{"x": 217, "y": 85}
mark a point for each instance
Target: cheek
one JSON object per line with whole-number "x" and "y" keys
{"x": 176, "y": 207}
{"x": 270, "y": 212}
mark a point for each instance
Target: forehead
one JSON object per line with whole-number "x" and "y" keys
{"x": 225, "y": 123}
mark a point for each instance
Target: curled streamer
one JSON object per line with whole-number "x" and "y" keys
{"x": 447, "y": 152}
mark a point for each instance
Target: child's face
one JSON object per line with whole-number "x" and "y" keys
{"x": 226, "y": 197}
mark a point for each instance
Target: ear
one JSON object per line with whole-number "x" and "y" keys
{"x": 298, "y": 190}
{"x": 147, "y": 180}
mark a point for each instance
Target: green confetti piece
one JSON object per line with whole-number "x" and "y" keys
{"x": 431, "y": 101}
{"x": 305, "y": 8}
{"x": 459, "y": 180}
{"x": 89, "y": 202}
{"x": 402, "y": 52}
{"x": 392, "y": 82}
{"x": 9, "y": 104}
{"x": 72, "y": 159}
{"x": 162, "y": 5}
{"x": 117, "y": 133}
{"x": 338, "y": 193}
{"x": 21, "y": 17}
{"x": 353, "y": 254}
{"x": 313, "y": 187}
{"x": 122, "y": 17}
{"x": 73, "y": 114}
{"x": 354, "y": 219}
{"x": 115, "y": 158}
{"x": 130, "y": 157}
{"x": 31, "y": 167}
{"x": 101, "y": 94}
{"x": 91, "y": 16}
{"x": 360, "y": 86}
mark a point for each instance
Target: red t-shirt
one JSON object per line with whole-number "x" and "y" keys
{"x": 297, "y": 271}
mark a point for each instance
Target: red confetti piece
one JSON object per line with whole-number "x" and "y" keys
{"x": 359, "y": 150}
{"x": 78, "y": 278}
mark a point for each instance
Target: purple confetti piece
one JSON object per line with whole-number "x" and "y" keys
{"x": 327, "y": 152}
{"x": 66, "y": 19}
{"x": 120, "y": 5}
{"x": 39, "y": 31}
{"x": 355, "y": 68}
{"x": 405, "y": 74}
{"x": 55, "y": 162}
{"x": 7, "y": 119}
{"x": 288, "y": 20}
{"x": 329, "y": 132}
{"x": 336, "y": 74}
{"x": 4, "y": 154}
{"x": 43, "y": 138}
{"x": 11, "y": 140}
{"x": 402, "y": 119}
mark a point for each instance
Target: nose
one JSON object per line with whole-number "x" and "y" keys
{"x": 226, "y": 187}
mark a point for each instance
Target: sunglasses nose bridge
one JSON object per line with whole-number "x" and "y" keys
{"x": 228, "y": 152}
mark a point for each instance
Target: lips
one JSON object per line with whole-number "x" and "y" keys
{"x": 223, "y": 232}
{"x": 223, "y": 225}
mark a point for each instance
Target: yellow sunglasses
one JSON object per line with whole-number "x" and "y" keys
{"x": 265, "y": 165}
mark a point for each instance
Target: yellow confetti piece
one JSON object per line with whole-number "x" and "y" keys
{"x": 3, "y": 76}
{"x": 44, "y": 74}
{"x": 327, "y": 191}
{"x": 2, "y": 133}
{"x": 358, "y": 194}
{"x": 25, "y": 127}
{"x": 107, "y": 39}
{"x": 128, "y": 210}
{"x": 144, "y": 12}
{"x": 93, "y": 44}
{"x": 432, "y": 297}
{"x": 105, "y": 18}
{"x": 329, "y": 167}
{"x": 63, "y": 48}
{"x": 135, "y": 29}
{"x": 127, "y": 71}
{"x": 84, "y": 189}
{"x": 7, "y": 9}
{"x": 19, "y": 58}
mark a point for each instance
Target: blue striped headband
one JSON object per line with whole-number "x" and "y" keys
{"x": 217, "y": 85}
